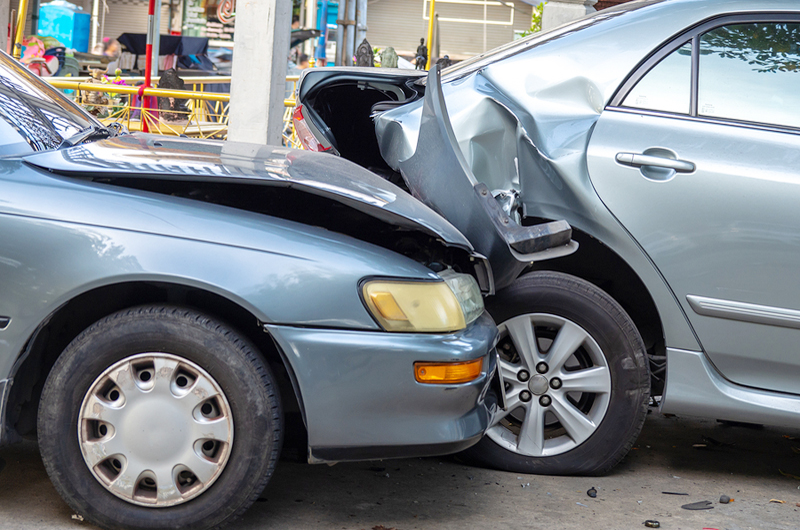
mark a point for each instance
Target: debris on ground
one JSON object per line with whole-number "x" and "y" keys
{"x": 777, "y": 501}
{"x": 650, "y": 523}
{"x": 796, "y": 449}
{"x": 788, "y": 475}
{"x": 77, "y": 517}
{"x": 724, "y": 499}
{"x": 673, "y": 493}
{"x": 789, "y": 437}
{"x": 581, "y": 504}
{"x": 700, "y": 505}
{"x": 592, "y": 492}
{"x": 525, "y": 485}
{"x": 700, "y": 446}
{"x": 711, "y": 441}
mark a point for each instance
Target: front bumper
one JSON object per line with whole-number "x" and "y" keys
{"x": 361, "y": 401}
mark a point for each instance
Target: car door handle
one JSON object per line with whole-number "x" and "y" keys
{"x": 639, "y": 160}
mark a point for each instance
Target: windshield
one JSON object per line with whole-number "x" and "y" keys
{"x": 478, "y": 62}
{"x": 35, "y": 111}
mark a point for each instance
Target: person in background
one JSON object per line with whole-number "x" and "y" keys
{"x": 302, "y": 62}
{"x": 295, "y": 22}
{"x": 111, "y": 48}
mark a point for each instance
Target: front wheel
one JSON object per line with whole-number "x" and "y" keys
{"x": 575, "y": 376}
{"x": 159, "y": 417}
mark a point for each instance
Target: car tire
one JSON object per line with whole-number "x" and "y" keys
{"x": 160, "y": 417}
{"x": 584, "y": 341}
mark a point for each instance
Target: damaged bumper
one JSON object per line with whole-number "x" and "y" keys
{"x": 361, "y": 401}
{"x": 439, "y": 175}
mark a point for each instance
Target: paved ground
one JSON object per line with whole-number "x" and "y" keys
{"x": 444, "y": 494}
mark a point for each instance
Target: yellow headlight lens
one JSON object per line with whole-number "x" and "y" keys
{"x": 414, "y": 306}
{"x": 448, "y": 373}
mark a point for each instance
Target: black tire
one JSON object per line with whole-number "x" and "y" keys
{"x": 577, "y": 301}
{"x": 232, "y": 362}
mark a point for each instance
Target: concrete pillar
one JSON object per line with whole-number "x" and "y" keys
{"x": 260, "y": 56}
{"x": 361, "y": 22}
{"x": 5, "y": 8}
{"x": 558, "y": 12}
{"x": 350, "y": 43}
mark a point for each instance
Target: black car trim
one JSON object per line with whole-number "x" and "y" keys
{"x": 768, "y": 127}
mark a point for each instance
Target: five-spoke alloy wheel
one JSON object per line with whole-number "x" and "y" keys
{"x": 575, "y": 376}
{"x": 160, "y": 417}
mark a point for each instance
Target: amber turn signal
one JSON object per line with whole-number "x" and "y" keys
{"x": 448, "y": 373}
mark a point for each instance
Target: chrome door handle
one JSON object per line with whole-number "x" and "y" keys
{"x": 639, "y": 160}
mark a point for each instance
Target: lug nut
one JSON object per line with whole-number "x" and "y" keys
{"x": 542, "y": 367}
{"x": 523, "y": 375}
{"x": 525, "y": 396}
{"x": 545, "y": 401}
{"x": 555, "y": 383}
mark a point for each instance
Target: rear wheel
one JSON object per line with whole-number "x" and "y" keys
{"x": 159, "y": 417}
{"x": 575, "y": 376}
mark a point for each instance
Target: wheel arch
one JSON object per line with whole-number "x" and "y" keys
{"x": 598, "y": 264}
{"x": 66, "y": 322}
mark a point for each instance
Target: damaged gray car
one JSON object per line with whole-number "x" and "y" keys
{"x": 631, "y": 177}
{"x": 167, "y": 305}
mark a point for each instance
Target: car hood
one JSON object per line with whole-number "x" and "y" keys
{"x": 144, "y": 156}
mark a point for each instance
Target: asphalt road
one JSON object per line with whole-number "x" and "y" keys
{"x": 444, "y": 494}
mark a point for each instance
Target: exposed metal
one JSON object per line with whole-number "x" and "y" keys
{"x": 573, "y": 387}
{"x": 155, "y": 429}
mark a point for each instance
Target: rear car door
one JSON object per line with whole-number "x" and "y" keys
{"x": 698, "y": 156}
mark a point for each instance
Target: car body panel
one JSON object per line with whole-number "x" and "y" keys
{"x": 156, "y": 157}
{"x": 373, "y": 399}
{"x": 685, "y": 225}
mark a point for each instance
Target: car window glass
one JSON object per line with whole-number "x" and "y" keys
{"x": 751, "y": 72}
{"x": 667, "y": 86}
{"x": 34, "y": 112}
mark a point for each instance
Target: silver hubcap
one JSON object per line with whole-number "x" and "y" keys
{"x": 574, "y": 391}
{"x": 155, "y": 429}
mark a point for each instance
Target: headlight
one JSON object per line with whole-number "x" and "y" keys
{"x": 432, "y": 307}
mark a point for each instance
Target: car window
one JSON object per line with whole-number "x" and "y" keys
{"x": 751, "y": 72}
{"x": 667, "y": 86}
{"x": 34, "y": 112}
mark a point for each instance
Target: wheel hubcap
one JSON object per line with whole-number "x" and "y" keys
{"x": 573, "y": 396}
{"x": 155, "y": 429}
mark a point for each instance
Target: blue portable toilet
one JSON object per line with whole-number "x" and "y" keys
{"x": 67, "y": 23}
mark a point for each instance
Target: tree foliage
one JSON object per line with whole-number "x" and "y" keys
{"x": 768, "y": 47}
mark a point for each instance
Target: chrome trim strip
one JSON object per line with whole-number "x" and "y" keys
{"x": 758, "y": 314}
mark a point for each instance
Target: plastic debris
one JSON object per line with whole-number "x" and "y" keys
{"x": 650, "y": 523}
{"x": 700, "y": 446}
{"x": 592, "y": 492}
{"x": 77, "y": 517}
{"x": 525, "y": 485}
{"x": 700, "y": 505}
{"x": 673, "y": 493}
{"x": 581, "y": 504}
{"x": 777, "y": 501}
{"x": 711, "y": 441}
{"x": 724, "y": 499}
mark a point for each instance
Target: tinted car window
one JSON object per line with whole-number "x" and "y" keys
{"x": 36, "y": 116}
{"x": 667, "y": 86}
{"x": 751, "y": 72}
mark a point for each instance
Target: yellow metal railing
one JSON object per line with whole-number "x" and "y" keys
{"x": 206, "y": 114}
